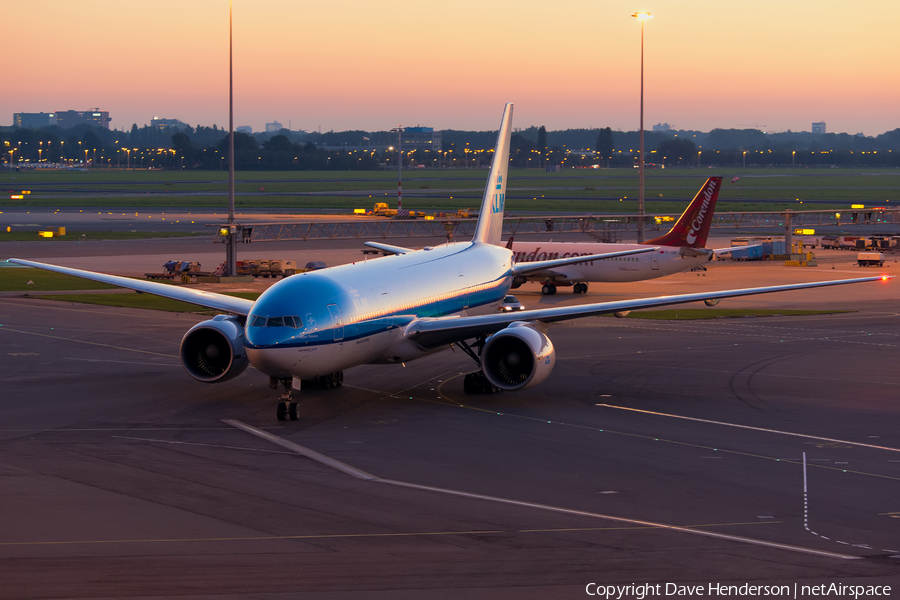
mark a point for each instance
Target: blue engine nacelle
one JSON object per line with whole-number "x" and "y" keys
{"x": 213, "y": 351}
{"x": 517, "y": 357}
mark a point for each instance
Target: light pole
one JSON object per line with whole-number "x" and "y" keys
{"x": 641, "y": 16}
{"x": 231, "y": 239}
{"x": 399, "y": 130}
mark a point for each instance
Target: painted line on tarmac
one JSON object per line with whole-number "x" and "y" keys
{"x": 359, "y": 474}
{"x": 321, "y": 458}
{"x": 122, "y": 362}
{"x": 764, "y": 430}
{"x": 56, "y": 337}
{"x": 331, "y": 536}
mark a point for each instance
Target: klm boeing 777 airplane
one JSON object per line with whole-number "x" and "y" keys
{"x": 312, "y": 326}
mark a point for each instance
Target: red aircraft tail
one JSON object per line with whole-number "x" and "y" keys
{"x": 692, "y": 227}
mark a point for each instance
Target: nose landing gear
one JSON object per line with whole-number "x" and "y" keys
{"x": 289, "y": 409}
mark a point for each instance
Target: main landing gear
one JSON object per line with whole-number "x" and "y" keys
{"x": 549, "y": 289}
{"x": 287, "y": 408}
{"x": 477, "y": 382}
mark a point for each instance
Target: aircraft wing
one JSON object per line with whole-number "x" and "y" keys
{"x": 434, "y": 332}
{"x": 388, "y": 248}
{"x": 230, "y": 304}
{"x": 527, "y": 268}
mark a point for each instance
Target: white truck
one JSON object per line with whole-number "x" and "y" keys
{"x": 870, "y": 259}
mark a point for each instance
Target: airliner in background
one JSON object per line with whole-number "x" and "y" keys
{"x": 312, "y": 326}
{"x": 681, "y": 249}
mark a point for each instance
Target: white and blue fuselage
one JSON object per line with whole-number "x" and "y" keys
{"x": 356, "y": 313}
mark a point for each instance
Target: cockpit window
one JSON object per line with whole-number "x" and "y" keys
{"x": 289, "y": 321}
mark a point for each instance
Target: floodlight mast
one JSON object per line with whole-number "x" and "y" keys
{"x": 399, "y": 130}
{"x": 641, "y": 16}
{"x": 231, "y": 238}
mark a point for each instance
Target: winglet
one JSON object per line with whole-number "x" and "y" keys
{"x": 490, "y": 219}
{"x": 692, "y": 227}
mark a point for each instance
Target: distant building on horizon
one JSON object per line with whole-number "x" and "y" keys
{"x": 161, "y": 124}
{"x": 244, "y": 129}
{"x": 819, "y": 127}
{"x": 662, "y": 127}
{"x": 33, "y": 120}
{"x": 64, "y": 119}
{"x": 94, "y": 117}
{"x": 424, "y": 138}
{"x": 273, "y": 127}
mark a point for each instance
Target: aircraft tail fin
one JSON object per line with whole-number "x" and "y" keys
{"x": 692, "y": 227}
{"x": 490, "y": 219}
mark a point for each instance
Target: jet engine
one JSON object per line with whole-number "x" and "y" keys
{"x": 517, "y": 357}
{"x": 213, "y": 351}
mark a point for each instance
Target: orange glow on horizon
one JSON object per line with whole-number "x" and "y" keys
{"x": 361, "y": 65}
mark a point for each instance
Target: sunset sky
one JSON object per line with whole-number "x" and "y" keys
{"x": 773, "y": 65}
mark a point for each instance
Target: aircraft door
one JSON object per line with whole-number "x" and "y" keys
{"x": 654, "y": 260}
{"x": 337, "y": 321}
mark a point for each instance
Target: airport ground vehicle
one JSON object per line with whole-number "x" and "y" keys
{"x": 511, "y": 303}
{"x": 267, "y": 267}
{"x": 870, "y": 259}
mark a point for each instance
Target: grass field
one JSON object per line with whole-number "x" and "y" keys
{"x": 15, "y": 279}
{"x": 572, "y": 190}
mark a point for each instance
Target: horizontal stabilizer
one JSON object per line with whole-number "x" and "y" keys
{"x": 388, "y": 248}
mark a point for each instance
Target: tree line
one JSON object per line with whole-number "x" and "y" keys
{"x": 204, "y": 147}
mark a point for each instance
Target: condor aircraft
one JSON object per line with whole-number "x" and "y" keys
{"x": 312, "y": 326}
{"x": 680, "y": 249}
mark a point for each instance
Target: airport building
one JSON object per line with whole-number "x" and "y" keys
{"x": 161, "y": 124}
{"x": 93, "y": 117}
{"x": 62, "y": 118}
{"x": 818, "y": 127}
{"x": 273, "y": 127}
{"x": 421, "y": 138}
{"x": 662, "y": 127}
{"x": 33, "y": 120}
{"x": 245, "y": 129}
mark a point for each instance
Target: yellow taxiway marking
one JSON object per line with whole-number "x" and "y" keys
{"x": 359, "y": 474}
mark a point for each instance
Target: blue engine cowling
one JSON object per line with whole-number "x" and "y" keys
{"x": 213, "y": 351}
{"x": 517, "y": 357}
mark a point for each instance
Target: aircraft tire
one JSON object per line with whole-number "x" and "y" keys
{"x": 340, "y": 378}
{"x": 281, "y": 412}
{"x": 293, "y": 411}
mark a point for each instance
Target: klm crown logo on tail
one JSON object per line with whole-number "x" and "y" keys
{"x": 497, "y": 204}
{"x": 490, "y": 217}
